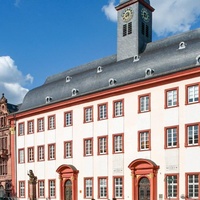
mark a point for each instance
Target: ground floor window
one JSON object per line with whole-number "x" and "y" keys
{"x": 193, "y": 185}
{"x": 118, "y": 187}
{"x": 52, "y": 188}
{"x": 88, "y": 185}
{"x": 171, "y": 186}
{"x": 22, "y": 189}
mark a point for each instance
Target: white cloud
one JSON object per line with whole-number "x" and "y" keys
{"x": 12, "y": 80}
{"x": 169, "y": 17}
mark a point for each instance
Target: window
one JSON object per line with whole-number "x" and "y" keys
{"x": 127, "y": 29}
{"x": 88, "y": 185}
{"x": 21, "y": 128}
{"x": 171, "y": 137}
{"x": 144, "y": 103}
{"x": 118, "y": 187}
{"x": 3, "y": 167}
{"x": 68, "y": 149}
{"x": 103, "y": 185}
{"x": 88, "y": 147}
{"x": 52, "y": 188}
{"x": 192, "y": 134}
{"x": 41, "y": 153}
{"x": 30, "y": 154}
{"x": 40, "y": 123}
{"x": 144, "y": 140}
{"x": 192, "y": 94}
{"x": 68, "y": 118}
{"x": 102, "y": 111}
{"x": 88, "y": 114}
{"x": 52, "y": 151}
{"x": 51, "y": 122}
{"x": 192, "y": 186}
{"x": 30, "y": 127}
{"x": 118, "y": 109}
{"x": 118, "y": 143}
{"x": 171, "y": 98}
{"x": 102, "y": 145}
{"x": 171, "y": 186}
{"x": 41, "y": 189}
{"x": 21, "y": 156}
{"x": 22, "y": 189}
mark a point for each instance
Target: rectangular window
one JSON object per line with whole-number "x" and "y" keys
{"x": 118, "y": 108}
{"x": 192, "y": 134}
{"x": 68, "y": 149}
{"x": 193, "y": 186}
{"x": 30, "y": 127}
{"x": 144, "y": 103}
{"x": 144, "y": 140}
{"x": 171, "y": 186}
{"x": 22, "y": 189}
{"x": 129, "y": 28}
{"x": 21, "y": 156}
{"x": 171, "y": 137}
{"x": 118, "y": 143}
{"x": 88, "y": 114}
{"x": 192, "y": 94}
{"x": 30, "y": 154}
{"x": 171, "y": 96}
{"x": 68, "y": 118}
{"x": 102, "y": 145}
{"x": 118, "y": 187}
{"x": 41, "y": 153}
{"x": 40, "y": 124}
{"x": 3, "y": 167}
{"x": 52, "y": 188}
{"x": 88, "y": 147}
{"x": 102, "y": 185}
{"x": 41, "y": 189}
{"x": 102, "y": 111}
{"x": 52, "y": 151}
{"x": 51, "y": 122}
{"x": 88, "y": 185}
{"x": 21, "y": 128}
{"x": 124, "y": 30}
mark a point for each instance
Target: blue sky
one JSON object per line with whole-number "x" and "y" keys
{"x": 40, "y": 38}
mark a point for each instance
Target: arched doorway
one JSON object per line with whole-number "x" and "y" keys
{"x": 68, "y": 175}
{"x": 144, "y": 179}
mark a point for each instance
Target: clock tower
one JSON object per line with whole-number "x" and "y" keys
{"x": 134, "y": 29}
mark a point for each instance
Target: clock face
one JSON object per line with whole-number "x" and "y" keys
{"x": 145, "y": 15}
{"x": 127, "y": 15}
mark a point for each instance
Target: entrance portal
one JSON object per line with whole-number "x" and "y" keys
{"x": 144, "y": 189}
{"x": 68, "y": 190}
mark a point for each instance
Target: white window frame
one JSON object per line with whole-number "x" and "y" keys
{"x": 41, "y": 153}
{"x": 52, "y": 188}
{"x": 192, "y": 132}
{"x": 118, "y": 187}
{"x": 103, "y": 111}
{"x": 193, "y": 94}
{"x": 118, "y": 143}
{"x": 102, "y": 145}
{"x": 88, "y": 145}
{"x": 68, "y": 118}
{"x": 30, "y": 154}
{"x": 144, "y": 140}
{"x": 88, "y": 187}
{"x": 103, "y": 188}
{"x": 68, "y": 149}
{"x": 144, "y": 103}
{"x": 118, "y": 108}
{"x": 172, "y": 137}
{"x": 52, "y": 151}
{"x": 41, "y": 189}
{"x": 88, "y": 114}
{"x": 172, "y": 97}
{"x": 193, "y": 185}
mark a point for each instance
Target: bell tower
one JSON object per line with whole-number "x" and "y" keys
{"x": 134, "y": 29}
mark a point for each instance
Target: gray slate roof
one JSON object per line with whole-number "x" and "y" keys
{"x": 163, "y": 56}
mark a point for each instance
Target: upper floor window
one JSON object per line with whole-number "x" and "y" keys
{"x": 118, "y": 143}
{"x": 192, "y": 94}
{"x": 40, "y": 124}
{"x": 118, "y": 108}
{"x": 171, "y": 98}
{"x": 192, "y": 135}
{"x": 144, "y": 140}
{"x": 22, "y": 189}
{"x": 192, "y": 186}
{"x": 21, "y": 128}
{"x": 102, "y": 145}
{"x": 102, "y": 111}
{"x": 21, "y": 156}
{"x": 68, "y": 149}
{"x": 144, "y": 103}
{"x": 171, "y": 186}
{"x": 88, "y": 147}
{"x": 88, "y": 114}
{"x": 88, "y": 188}
{"x": 30, "y": 127}
{"x": 118, "y": 187}
{"x": 171, "y": 137}
{"x": 52, "y": 151}
{"x": 41, "y": 153}
{"x": 68, "y": 118}
{"x": 3, "y": 167}
{"x": 51, "y": 122}
{"x": 30, "y": 154}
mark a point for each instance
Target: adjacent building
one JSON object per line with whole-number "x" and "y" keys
{"x": 125, "y": 126}
{"x": 6, "y": 179}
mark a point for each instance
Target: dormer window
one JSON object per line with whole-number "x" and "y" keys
{"x": 68, "y": 79}
{"x": 112, "y": 81}
{"x": 99, "y": 69}
{"x": 74, "y": 92}
{"x": 48, "y": 99}
{"x": 182, "y": 45}
{"x": 198, "y": 60}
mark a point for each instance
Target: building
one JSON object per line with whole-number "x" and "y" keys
{"x": 6, "y": 162}
{"x": 123, "y": 127}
